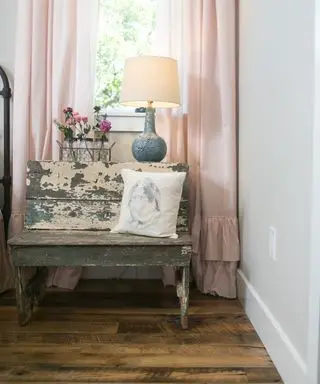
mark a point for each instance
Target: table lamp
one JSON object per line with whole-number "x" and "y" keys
{"x": 150, "y": 82}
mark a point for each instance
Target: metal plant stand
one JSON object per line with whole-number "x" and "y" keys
{"x": 85, "y": 150}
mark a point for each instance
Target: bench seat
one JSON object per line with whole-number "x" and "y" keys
{"x": 64, "y": 237}
{"x": 97, "y": 248}
{"x": 71, "y": 209}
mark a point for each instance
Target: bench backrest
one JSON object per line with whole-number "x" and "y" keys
{"x": 85, "y": 196}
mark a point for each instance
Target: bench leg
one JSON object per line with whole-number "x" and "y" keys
{"x": 29, "y": 292}
{"x": 183, "y": 294}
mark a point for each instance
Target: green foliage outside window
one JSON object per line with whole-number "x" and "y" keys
{"x": 125, "y": 29}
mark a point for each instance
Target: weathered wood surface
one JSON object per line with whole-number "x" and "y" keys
{"x": 64, "y": 237}
{"x": 103, "y": 256}
{"x": 182, "y": 284}
{"x": 29, "y": 292}
{"x": 32, "y": 372}
{"x": 87, "y": 181}
{"x": 69, "y": 195}
{"x": 100, "y": 337}
{"x": 64, "y": 201}
{"x": 84, "y": 215}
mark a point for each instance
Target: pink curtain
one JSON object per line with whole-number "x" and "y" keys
{"x": 54, "y": 68}
{"x": 201, "y": 36}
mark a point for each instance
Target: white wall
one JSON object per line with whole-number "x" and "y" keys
{"x": 276, "y": 174}
{"x": 314, "y": 297}
{"x": 8, "y": 10}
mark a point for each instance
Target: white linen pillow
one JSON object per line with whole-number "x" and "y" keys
{"x": 150, "y": 203}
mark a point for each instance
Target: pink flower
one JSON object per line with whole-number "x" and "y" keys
{"x": 78, "y": 118}
{"x": 85, "y": 119}
{"x": 105, "y": 126}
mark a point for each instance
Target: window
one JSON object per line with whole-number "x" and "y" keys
{"x": 126, "y": 28}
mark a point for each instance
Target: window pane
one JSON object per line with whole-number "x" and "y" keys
{"x": 126, "y": 28}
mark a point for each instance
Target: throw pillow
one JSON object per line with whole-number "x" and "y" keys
{"x": 150, "y": 203}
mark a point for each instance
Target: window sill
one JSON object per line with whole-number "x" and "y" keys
{"x": 126, "y": 121}
{"x": 123, "y": 112}
{"x": 126, "y": 114}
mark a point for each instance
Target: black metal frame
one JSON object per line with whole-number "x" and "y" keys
{"x": 6, "y": 180}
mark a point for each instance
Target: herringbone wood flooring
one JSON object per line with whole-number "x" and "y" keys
{"x": 126, "y": 332}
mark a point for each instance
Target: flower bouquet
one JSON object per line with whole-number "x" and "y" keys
{"x": 83, "y": 141}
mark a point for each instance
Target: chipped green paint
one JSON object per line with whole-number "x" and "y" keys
{"x": 78, "y": 180}
{"x": 64, "y": 198}
{"x": 29, "y": 291}
{"x": 78, "y": 165}
{"x": 118, "y": 179}
{"x": 95, "y": 174}
{"x": 39, "y": 215}
{"x": 178, "y": 167}
{"x": 44, "y": 249}
{"x": 98, "y": 238}
{"x": 84, "y": 195}
{"x": 75, "y": 215}
{"x": 104, "y": 256}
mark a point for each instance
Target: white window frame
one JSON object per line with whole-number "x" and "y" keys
{"x": 125, "y": 119}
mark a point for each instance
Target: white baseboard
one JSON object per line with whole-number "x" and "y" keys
{"x": 286, "y": 358}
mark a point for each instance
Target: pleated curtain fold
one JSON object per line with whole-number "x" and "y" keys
{"x": 54, "y": 68}
{"x": 200, "y": 34}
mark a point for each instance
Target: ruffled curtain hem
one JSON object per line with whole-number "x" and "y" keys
{"x": 216, "y": 253}
{"x": 219, "y": 279}
{"x": 216, "y": 238}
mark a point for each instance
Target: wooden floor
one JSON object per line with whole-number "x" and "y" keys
{"x": 127, "y": 333}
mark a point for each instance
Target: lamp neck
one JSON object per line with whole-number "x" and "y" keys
{"x": 149, "y": 123}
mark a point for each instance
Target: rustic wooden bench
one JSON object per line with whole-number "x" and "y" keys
{"x": 70, "y": 210}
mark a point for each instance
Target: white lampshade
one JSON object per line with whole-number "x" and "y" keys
{"x": 150, "y": 78}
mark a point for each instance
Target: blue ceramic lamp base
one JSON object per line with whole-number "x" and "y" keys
{"x": 148, "y": 146}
